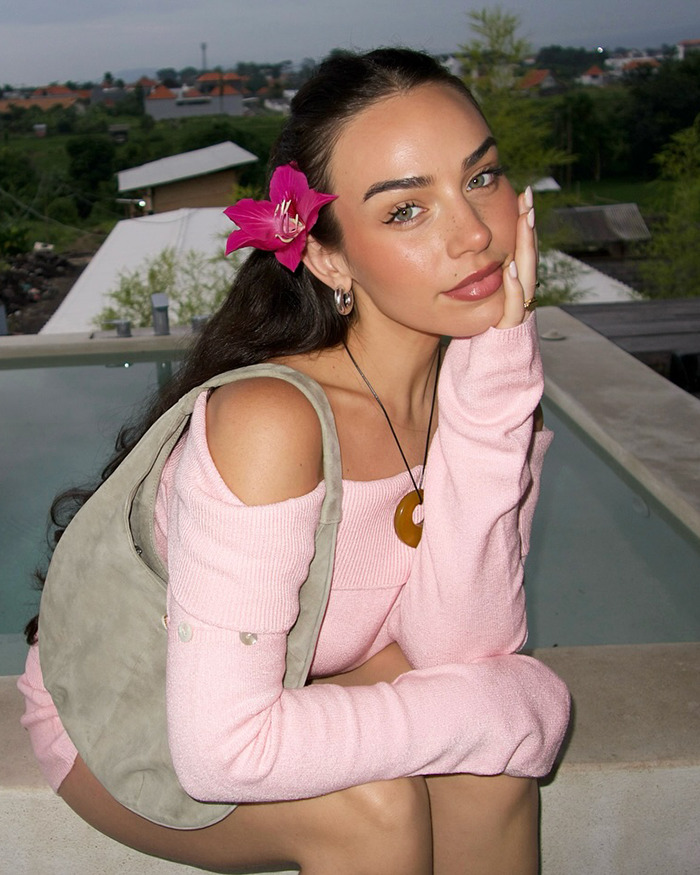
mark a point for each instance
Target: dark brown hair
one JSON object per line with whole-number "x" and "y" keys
{"x": 271, "y": 311}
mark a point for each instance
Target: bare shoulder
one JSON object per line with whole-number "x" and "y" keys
{"x": 265, "y": 439}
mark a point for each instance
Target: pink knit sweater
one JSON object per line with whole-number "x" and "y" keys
{"x": 455, "y": 606}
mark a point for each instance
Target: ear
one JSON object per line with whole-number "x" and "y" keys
{"x": 326, "y": 264}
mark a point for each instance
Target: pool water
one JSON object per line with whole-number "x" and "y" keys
{"x": 58, "y": 423}
{"x": 605, "y": 565}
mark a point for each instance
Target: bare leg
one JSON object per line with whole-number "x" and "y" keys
{"x": 484, "y": 825}
{"x": 376, "y": 829}
{"x": 481, "y": 825}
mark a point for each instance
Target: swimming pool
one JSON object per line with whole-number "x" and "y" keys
{"x": 605, "y": 565}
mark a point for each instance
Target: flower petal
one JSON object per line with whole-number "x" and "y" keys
{"x": 287, "y": 183}
{"x": 291, "y": 254}
{"x": 310, "y": 203}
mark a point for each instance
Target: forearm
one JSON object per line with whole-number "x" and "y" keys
{"x": 237, "y": 735}
{"x": 464, "y": 599}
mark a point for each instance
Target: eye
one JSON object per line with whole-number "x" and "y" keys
{"x": 403, "y": 213}
{"x": 484, "y": 179}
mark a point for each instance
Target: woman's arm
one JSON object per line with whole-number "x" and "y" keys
{"x": 464, "y": 599}
{"x": 236, "y": 734}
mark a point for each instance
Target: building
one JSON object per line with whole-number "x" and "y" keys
{"x": 167, "y": 103}
{"x": 686, "y": 47}
{"x": 593, "y": 76}
{"x": 537, "y": 82}
{"x": 201, "y": 178}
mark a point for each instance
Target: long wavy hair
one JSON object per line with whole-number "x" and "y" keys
{"x": 271, "y": 311}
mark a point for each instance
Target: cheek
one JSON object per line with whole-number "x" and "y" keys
{"x": 506, "y": 216}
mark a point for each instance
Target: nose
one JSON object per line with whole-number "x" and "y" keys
{"x": 466, "y": 230}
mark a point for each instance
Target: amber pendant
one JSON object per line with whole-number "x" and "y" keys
{"x": 405, "y": 527}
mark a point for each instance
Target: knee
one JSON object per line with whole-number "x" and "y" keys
{"x": 381, "y": 827}
{"x": 399, "y": 807}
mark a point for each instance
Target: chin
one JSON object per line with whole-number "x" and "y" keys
{"x": 482, "y": 316}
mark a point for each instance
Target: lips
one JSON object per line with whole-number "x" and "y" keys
{"x": 478, "y": 285}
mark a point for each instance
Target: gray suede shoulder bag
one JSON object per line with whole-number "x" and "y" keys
{"x": 102, "y": 617}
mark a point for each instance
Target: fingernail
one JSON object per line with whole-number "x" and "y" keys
{"x": 513, "y": 270}
{"x": 531, "y": 217}
{"x": 529, "y": 200}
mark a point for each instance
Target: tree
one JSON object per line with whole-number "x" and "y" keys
{"x": 169, "y": 77}
{"x": 492, "y": 57}
{"x": 492, "y": 62}
{"x": 662, "y": 103}
{"x": 674, "y": 266}
{"x": 195, "y": 284}
{"x": 90, "y": 162}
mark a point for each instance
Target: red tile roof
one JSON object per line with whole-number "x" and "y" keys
{"x": 636, "y": 63}
{"x": 161, "y": 93}
{"x": 533, "y": 79}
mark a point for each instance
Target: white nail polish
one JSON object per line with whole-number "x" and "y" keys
{"x": 529, "y": 200}
{"x": 531, "y": 217}
{"x": 513, "y": 270}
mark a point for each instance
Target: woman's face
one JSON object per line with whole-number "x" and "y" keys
{"x": 427, "y": 217}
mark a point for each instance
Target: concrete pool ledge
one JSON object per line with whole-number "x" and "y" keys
{"x": 623, "y": 800}
{"x": 625, "y": 797}
{"x": 16, "y": 348}
{"x": 647, "y": 426}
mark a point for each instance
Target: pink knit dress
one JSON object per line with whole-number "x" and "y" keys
{"x": 455, "y": 605}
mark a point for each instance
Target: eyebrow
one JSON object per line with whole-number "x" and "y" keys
{"x": 424, "y": 181}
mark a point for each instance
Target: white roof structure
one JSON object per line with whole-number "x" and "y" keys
{"x": 591, "y": 286}
{"x": 185, "y": 166}
{"x": 547, "y": 183}
{"x": 129, "y": 244}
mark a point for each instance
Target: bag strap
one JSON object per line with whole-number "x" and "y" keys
{"x": 147, "y": 471}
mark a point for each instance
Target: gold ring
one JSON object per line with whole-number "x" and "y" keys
{"x": 531, "y": 303}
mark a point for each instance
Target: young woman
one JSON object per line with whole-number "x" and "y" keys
{"x": 415, "y": 746}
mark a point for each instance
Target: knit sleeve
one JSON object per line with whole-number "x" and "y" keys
{"x": 465, "y": 598}
{"x": 237, "y": 735}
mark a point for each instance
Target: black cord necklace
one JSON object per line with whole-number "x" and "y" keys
{"x": 404, "y": 525}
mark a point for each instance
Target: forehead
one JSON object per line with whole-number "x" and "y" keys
{"x": 417, "y": 132}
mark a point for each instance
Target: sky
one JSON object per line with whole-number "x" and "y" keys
{"x": 44, "y": 41}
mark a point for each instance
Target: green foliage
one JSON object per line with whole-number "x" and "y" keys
{"x": 556, "y": 274}
{"x": 14, "y": 240}
{"x": 493, "y": 55}
{"x": 566, "y": 63}
{"x": 17, "y": 174}
{"x": 589, "y": 126}
{"x": 673, "y": 269}
{"x": 91, "y": 160}
{"x": 661, "y": 105}
{"x": 491, "y": 62}
{"x": 195, "y": 285}
{"x": 64, "y": 210}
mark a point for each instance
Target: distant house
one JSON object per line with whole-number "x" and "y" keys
{"x": 184, "y": 102}
{"x": 610, "y": 227}
{"x": 686, "y": 47}
{"x": 641, "y": 64}
{"x": 537, "y": 81}
{"x": 593, "y": 76}
{"x": 43, "y": 102}
{"x": 201, "y": 178}
{"x": 214, "y": 81}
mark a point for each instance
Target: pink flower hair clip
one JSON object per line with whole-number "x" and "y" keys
{"x": 281, "y": 224}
